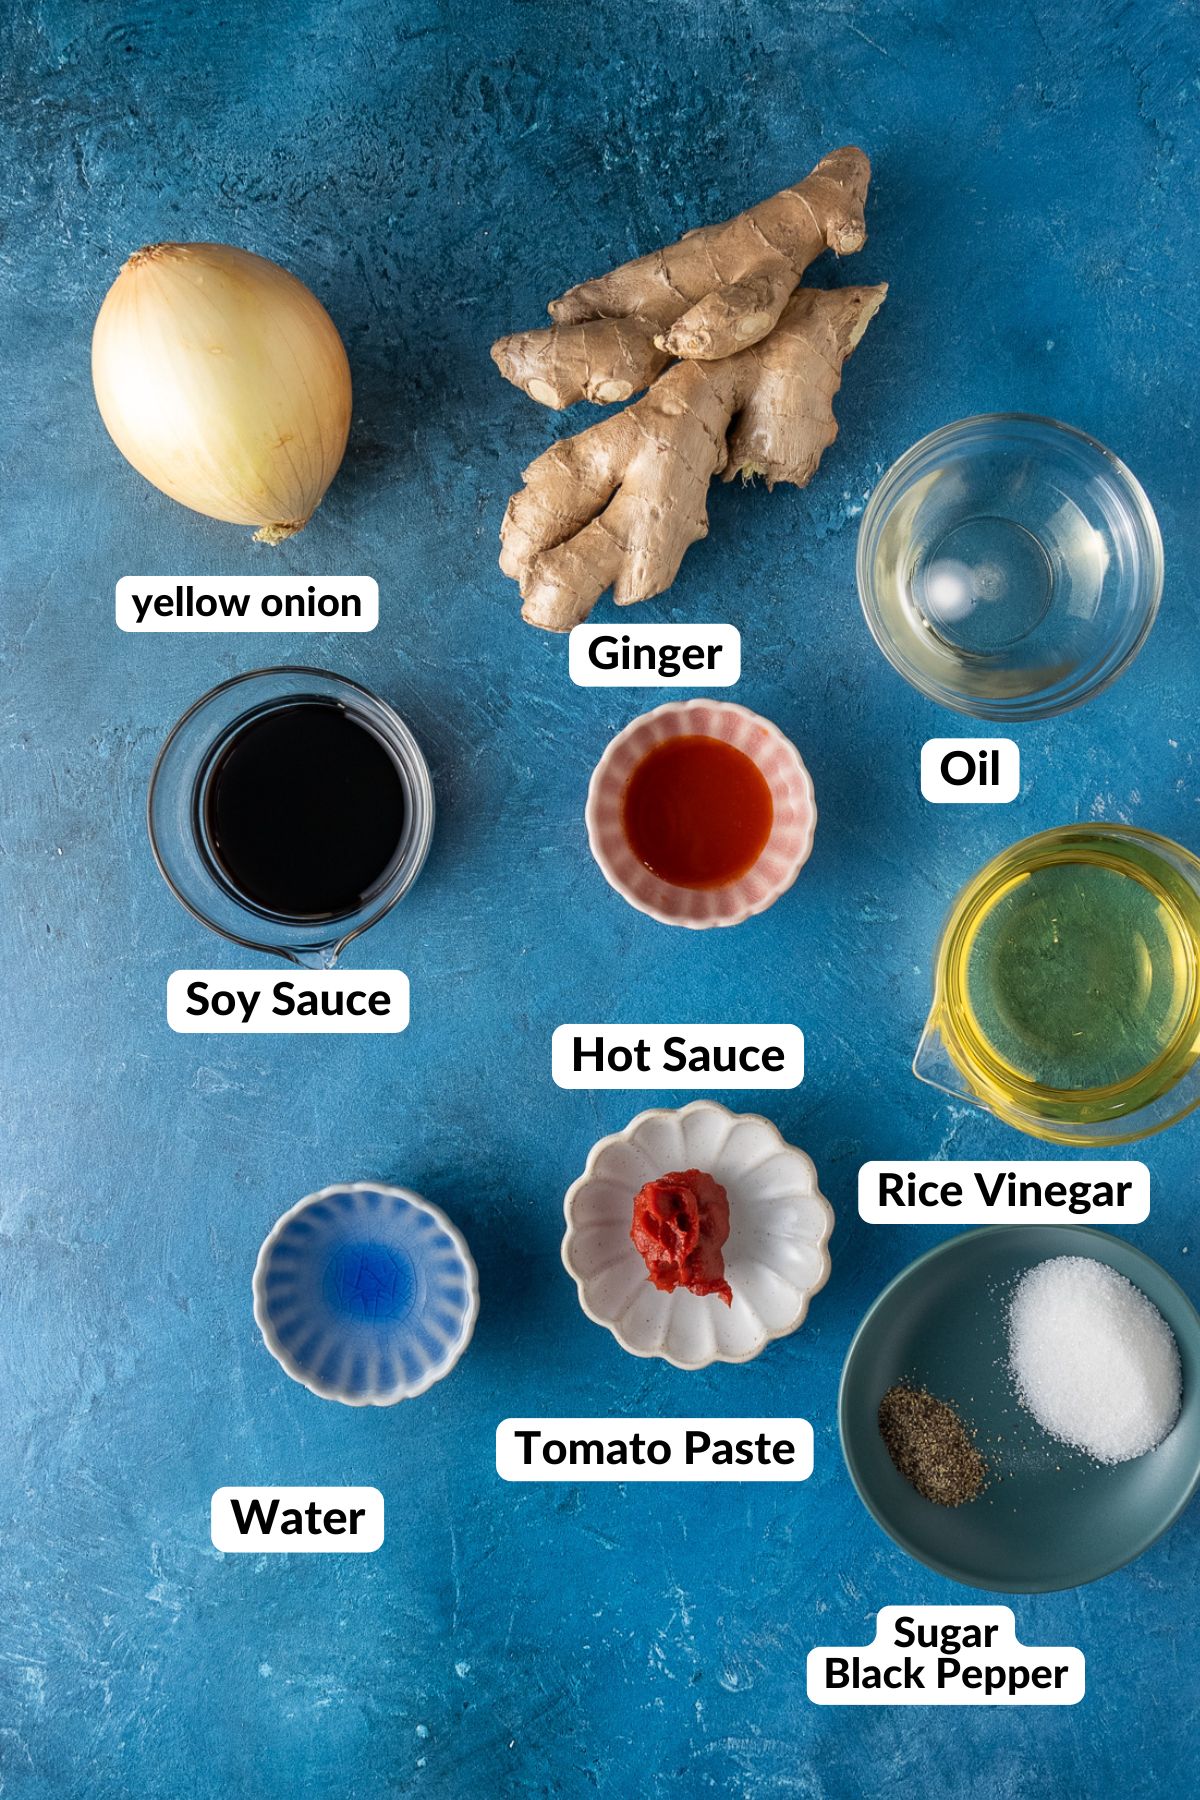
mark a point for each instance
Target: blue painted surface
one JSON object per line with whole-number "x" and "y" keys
{"x": 436, "y": 173}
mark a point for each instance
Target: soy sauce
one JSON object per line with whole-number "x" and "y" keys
{"x": 304, "y": 811}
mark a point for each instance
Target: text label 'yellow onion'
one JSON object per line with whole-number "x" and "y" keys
{"x": 224, "y": 382}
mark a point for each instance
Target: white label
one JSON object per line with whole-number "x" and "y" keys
{"x": 297, "y": 1519}
{"x": 704, "y": 656}
{"x": 654, "y": 1450}
{"x": 247, "y": 1000}
{"x": 247, "y": 603}
{"x": 945, "y": 1656}
{"x": 677, "y": 1056}
{"x": 980, "y": 1193}
{"x": 983, "y": 771}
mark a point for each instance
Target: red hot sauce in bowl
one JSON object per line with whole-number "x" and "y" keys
{"x": 697, "y": 812}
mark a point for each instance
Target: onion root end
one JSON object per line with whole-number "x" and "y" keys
{"x": 275, "y": 534}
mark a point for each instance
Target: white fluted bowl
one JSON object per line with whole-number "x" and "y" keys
{"x": 775, "y": 1257}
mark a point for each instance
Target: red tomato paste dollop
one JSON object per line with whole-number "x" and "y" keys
{"x": 680, "y": 1223}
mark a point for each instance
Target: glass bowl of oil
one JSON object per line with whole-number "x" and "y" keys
{"x": 1067, "y": 987}
{"x": 1009, "y": 567}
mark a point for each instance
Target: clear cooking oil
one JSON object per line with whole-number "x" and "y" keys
{"x": 1067, "y": 992}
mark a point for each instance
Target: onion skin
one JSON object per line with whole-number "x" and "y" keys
{"x": 223, "y": 380}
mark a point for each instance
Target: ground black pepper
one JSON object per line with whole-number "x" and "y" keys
{"x": 931, "y": 1446}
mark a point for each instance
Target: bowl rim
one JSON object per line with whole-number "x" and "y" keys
{"x": 262, "y": 1319}
{"x": 1032, "y": 706}
{"x": 626, "y": 1135}
{"x": 941, "y": 1565}
{"x": 600, "y": 774}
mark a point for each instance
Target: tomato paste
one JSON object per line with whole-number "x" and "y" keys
{"x": 680, "y": 1223}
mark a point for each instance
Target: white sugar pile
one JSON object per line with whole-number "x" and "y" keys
{"x": 1096, "y": 1364}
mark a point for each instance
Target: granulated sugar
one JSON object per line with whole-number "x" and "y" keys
{"x": 1096, "y": 1364}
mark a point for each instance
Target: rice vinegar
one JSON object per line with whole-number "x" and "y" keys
{"x": 1068, "y": 984}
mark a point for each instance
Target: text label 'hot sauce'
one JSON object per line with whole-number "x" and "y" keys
{"x": 678, "y": 1056}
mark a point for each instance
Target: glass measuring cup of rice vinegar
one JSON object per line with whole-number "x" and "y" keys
{"x": 1067, "y": 987}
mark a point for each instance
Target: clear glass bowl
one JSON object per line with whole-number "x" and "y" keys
{"x": 175, "y": 812}
{"x": 1009, "y": 567}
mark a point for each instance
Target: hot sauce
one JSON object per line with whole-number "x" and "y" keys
{"x": 680, "y": 1223}
{"x": 697, "y": 812}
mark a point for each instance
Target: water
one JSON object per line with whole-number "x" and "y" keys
{"x": 373, "y": 1282}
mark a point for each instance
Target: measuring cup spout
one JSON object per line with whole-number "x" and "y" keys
{"x": 934, "y": 1065}
{"x": 316, "y": 956}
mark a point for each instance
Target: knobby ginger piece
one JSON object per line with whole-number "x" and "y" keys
{"x": 617, "y": 505}
{"x": 716, "y": 291}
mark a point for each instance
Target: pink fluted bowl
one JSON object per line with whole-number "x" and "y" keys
{"x": 782, "y": 858}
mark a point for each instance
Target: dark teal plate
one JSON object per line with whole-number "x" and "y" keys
{"x": 1054, "y": 1519}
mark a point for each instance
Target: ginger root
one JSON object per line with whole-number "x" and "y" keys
{"x": 618, "y": 505}
{"x": 716, "y": 291}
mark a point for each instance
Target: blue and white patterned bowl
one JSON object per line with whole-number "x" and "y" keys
{"x": 365, "y": 1294}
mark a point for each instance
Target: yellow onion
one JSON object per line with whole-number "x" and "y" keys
{"x": 224, "y": 382}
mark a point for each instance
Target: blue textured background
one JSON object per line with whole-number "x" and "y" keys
{"x": 436, "y": 173}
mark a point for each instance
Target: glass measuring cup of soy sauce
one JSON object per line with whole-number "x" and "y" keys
{"x": 289, "y": 809}
{"x": 1067, "y": 987}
